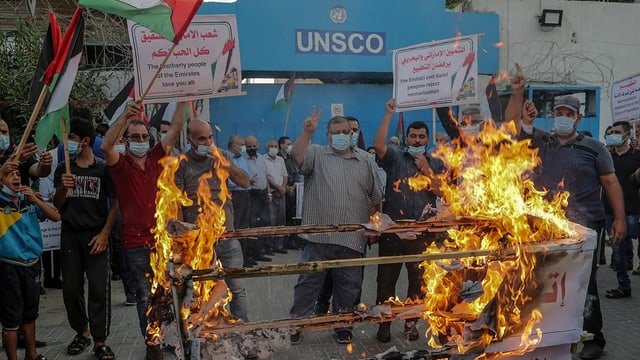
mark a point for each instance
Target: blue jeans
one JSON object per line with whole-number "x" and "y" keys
{"x": 347, "y": 281}
{"x": 139, "y": 266}
{"x": 229, "y": 253}
{"x": 621, "y": 249}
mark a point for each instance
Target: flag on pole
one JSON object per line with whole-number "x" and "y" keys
{"x": 50, "y": 47}
{"x": 168, "y": 18}
{"x": 166, "y": 111}
{"x": 400, "y": 130}
{"x": 285, "y": 93}
{"x": 59, "y": 77}
{"x": 118, "y": 105}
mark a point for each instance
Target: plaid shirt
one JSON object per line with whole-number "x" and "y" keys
{"x": 338, "y": 190}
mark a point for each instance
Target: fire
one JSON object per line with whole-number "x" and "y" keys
{"x": 194, "y": 249}
{"x": 499, "y": 44}
{"x": 473, "y": 301}
{"x": 350, "y": 348}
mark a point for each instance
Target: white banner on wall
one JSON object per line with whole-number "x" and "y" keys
{"x": 440, "y": 73}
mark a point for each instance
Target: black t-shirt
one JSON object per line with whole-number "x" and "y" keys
{"x": 87, "y": 206}
{"x": 625, "y": 165}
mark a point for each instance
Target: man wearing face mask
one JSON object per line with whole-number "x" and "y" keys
{"x": 278, "y": 178}
{"x": 164, "y": 129}
{"x": 582, "y": 166}
{"x": 240, "y": 198}
{"x": 82, "y": 198}
{"x": 626, "y": 161}
{"x": 339, "y": 189}
{"x": 135, "y": 174}
{"x": 286, "y": 146}
{"x": 404, "y": 204}
{"x": 259, "y": 196}
{"x": 200, "y": 161}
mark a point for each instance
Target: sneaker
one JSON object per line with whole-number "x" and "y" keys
{"x": 344, "y": 337}
{"x": 295, "y": 338}
{"x": 590, "y": 350}
{"x": 384, "y": 332}
{"x": 411, "y": 331}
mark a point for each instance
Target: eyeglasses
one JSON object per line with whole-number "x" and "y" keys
{"x": 138, "y": 137}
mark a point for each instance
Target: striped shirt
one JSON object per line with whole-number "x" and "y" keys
{"x": 337, "y": 190}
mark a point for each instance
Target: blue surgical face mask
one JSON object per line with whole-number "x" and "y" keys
{"x": 289, "y": 149}
{"x": 203, "y": 150}
{"x": 563, "y": 125}
{"x": 12, "y": 193}
{"x": 614, "y": 139}
{"x": 4, "y": 142}
{"x": 74, "y": 148}
{"x": 273, "y": 152}
{"x": 120, "y": 148}
{"x": 340, "y": 142}
{"x": 138, "y": 149}
{"x": 354, "y": 139}
{"x": 415, "y": 150}
{"x": 243, "y": 149}
{"x": 162, "y": 136}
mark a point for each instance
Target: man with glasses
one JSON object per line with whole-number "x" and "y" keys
{"x": 135, "y": 174}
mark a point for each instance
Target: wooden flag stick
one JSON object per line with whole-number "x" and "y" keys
{"x": 65, "y": 143}
{"x": 286, "y": 120}
{"x": 32, "y": 119}
{"x": 155, "y": 76}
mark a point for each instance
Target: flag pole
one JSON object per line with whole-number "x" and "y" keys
{"x": 65, "y": 143}
{"x": 286, "y": 120}
{"x": 32, "y": 119}
{"x": 155, "y": 76}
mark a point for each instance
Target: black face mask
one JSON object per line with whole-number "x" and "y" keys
{"x": 252, "y": 152}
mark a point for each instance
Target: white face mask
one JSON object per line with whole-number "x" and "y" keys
{"x": 340, "y": 142}
{"x": 138, "y": 149}
{"x": 415, "y": 150}
{"x": 564, "y": 125}
{"x": 273, "y": 152}
{"x": 289, "y": 149}
{"x": 203, "y": 150}
{"x": 120, "y": 148}
{"x": 471, "y": 130}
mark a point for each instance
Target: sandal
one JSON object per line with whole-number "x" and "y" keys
{"x": 618, "y": 293}
{"x": 78, "y": 345}
{"x": 104, "y": 352}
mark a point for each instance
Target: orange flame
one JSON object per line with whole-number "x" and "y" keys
{"x": 493, "y": 184}
{"x": 195, "y": 249}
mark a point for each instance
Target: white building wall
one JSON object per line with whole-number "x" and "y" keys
{"x": 598, "y": 43}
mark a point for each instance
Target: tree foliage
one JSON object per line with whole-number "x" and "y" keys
{"x": 19, "y": 53}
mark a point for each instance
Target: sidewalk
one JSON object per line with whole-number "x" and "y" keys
{"x": 271, "y": 297}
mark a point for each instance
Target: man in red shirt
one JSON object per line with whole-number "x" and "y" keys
{"x": 135, "y": 174}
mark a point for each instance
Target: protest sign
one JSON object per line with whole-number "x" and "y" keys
{"x": 625, "y": 99}
{"x": 440, "y": 73}
{"x": 204, "y": 64}
{"x": 50, "y": 231}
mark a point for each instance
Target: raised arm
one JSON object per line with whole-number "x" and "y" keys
{"x": 302, "y": 142}
{"x": 177, "y": 123}
{"x": 380, "y": 141}
{"x": 115, "y": 132}
{"x": 514, "y": 107}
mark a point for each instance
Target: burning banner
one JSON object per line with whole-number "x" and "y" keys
{"x": 510, "y": 276}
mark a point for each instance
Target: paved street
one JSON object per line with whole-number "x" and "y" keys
{"x": 270, "y": 298}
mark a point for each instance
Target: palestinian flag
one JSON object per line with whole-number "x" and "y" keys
{"x": 50, "y": 47}
{"x": 60, "y": 76}
{"x": 168, "y": 18}
{"x": 165, "y": 113}
{"x": 285, "y": 93}
{"x": 117, "y": 106}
